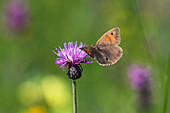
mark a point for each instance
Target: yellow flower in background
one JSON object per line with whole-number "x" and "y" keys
{"x": 29, "y": 93}
{"x": 37, "y": 109}
{"x": 55, "y": 92}
{"x": 50, "y": 90}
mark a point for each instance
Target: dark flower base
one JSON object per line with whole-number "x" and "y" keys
{"x": 74, "y": 72}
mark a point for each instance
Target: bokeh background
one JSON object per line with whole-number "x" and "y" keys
{"x": 30, "y": 81}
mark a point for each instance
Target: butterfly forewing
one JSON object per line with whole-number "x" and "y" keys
{"x": 112, "y": 37}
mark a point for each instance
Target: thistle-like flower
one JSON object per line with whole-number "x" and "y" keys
{"x": 16, "y": 15}
{"x": 141, "y": 81}
{"x": 72, "y": 56}
{"x": 140, "y": 77}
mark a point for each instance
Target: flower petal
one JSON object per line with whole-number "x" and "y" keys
{"x": 71, "y": 54}
{"x": 63, "y": 65}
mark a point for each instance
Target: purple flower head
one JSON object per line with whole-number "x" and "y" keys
{"x": 141, "y": 81}
{"x": 16, "y": 15}
{"x": 72, "y": 56}
{"x": 140, "y": 77}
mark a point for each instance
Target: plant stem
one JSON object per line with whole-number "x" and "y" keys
{"x": 74, "y": 96}
{"x": 166, "y": 85}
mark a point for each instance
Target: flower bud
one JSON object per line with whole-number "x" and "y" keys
{"x": 74, "y": 72}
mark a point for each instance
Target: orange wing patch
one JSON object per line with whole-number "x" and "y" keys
{"x": 107, "y": 38}
{"x": 110, "y": 38}
{"x": 88, "y": 51}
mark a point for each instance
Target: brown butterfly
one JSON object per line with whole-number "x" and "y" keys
{"x": 106, "y": 51}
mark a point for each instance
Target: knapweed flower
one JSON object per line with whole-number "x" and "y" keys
{"x": 16, "y": 15}
{"x": 141, "y": 81}
{"x": 72, "y": 56}
{"x": 140, "y": 77}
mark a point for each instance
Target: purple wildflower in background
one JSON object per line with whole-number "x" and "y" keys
{"x": 141, "y": 81}
{"x": 72, "y": 56}
{"x": 16, "y": 15}
{"x": 140, "y": 77}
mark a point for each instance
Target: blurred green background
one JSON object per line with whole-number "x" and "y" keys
{"x": 30, "y": 82}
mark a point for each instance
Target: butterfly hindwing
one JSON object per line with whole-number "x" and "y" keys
{"x": 108, "y": 55}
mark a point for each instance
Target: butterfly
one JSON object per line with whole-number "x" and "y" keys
{"x": 106, "y": 51}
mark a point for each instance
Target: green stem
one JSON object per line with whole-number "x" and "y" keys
{"x": 166, "y": 86}
{"x": 74, "y": 96}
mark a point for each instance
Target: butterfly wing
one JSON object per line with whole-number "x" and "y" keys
{"x": 108, "y": 55}
{"x": 106, "y": 51}
{"x": 112, "y": 37}
{"x": 90, "y": 50}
